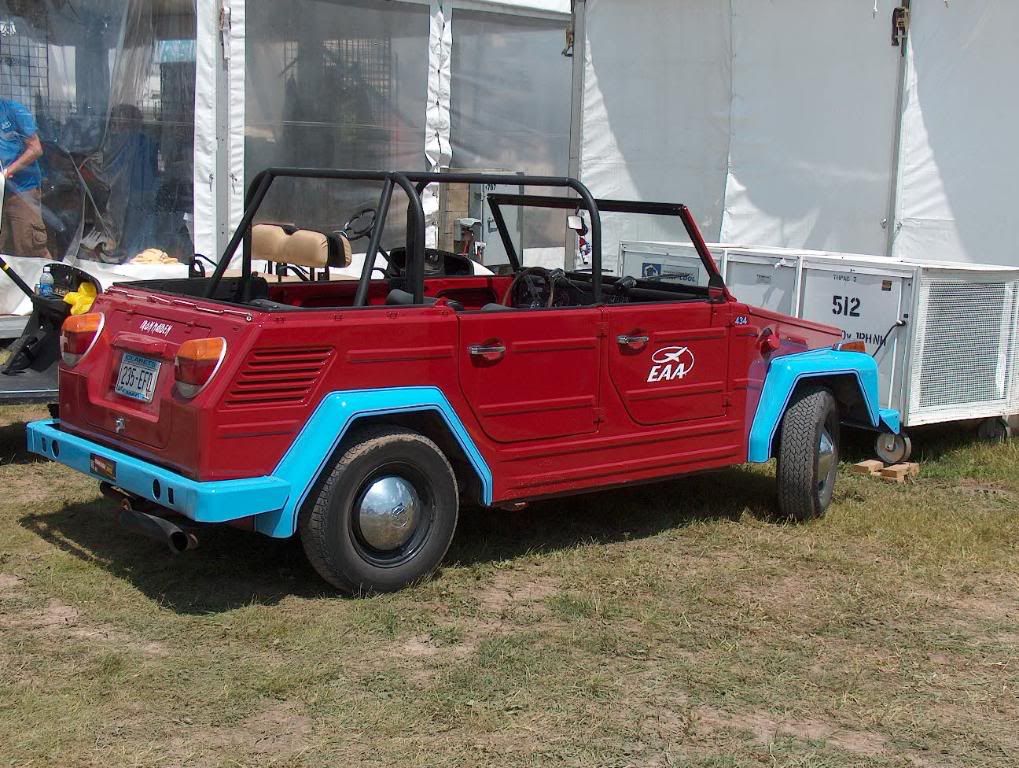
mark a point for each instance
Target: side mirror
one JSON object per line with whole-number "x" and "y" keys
{"x": 576, "y": 223}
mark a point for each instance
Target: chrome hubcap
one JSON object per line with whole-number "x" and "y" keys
{"x": 388, "y": 513}
{"x": 825, "y": 458}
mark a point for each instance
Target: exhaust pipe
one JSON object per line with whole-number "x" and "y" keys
{"x": 157, "y": 529}
{"x": 150, "y": 526}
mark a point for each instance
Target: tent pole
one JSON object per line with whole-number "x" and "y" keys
{"x": 892, "y": 218}
{"x": 576, "y": 114}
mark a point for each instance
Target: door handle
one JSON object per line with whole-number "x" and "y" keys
{"x": 633, "y": 342}
{"x": 489, "y": 352}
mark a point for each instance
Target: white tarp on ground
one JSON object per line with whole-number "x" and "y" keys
{"x": 960, "y": 159}
{"x": 776, "y": 121}
{"x": 14, "y": 302}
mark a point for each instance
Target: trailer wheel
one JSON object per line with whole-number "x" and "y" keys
{"x": 994, "y": 430}
{"x": 385, "y": 515}
{"x": 893, "y": 449}
{"x": 808, "y": 456}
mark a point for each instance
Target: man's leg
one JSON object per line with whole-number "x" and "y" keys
{"x": 5, "y": 229}
{"x": 23, "y": 213}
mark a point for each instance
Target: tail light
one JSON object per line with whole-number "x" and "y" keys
{"x": 852, "y": 346}
{"x": 197, "y": 362}
{"x": 78, "y": 335}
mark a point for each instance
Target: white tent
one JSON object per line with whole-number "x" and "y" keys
{"x": 797, "y": 123}
{"x": 230, "y": 84}
{"x": 409, "y": 84}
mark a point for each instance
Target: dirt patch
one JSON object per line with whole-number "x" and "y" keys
{"x": 9, "y": 583}
{"x": 279, "y": 732}
{"x": 992, "y": 608}
{"x": 509, "y": 590}
{"x": 970, "y": 487}
{"x": 56, "y": 614}
{"x": 765, "y": 729}
{"x": 59, "y": 618}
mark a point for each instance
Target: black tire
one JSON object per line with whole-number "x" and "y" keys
{"x": 344, "y": 549}
{"x": 806, "y": 478}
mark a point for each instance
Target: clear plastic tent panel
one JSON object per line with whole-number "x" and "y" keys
{"x": 110, "y": 85}
{"x": 334, "y": 85}
{"x": 510, "y": 110}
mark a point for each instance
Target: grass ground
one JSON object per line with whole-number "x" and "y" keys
{"x": 671, "y": 625}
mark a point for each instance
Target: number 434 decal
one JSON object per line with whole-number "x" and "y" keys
{"x": 847, "y": 306}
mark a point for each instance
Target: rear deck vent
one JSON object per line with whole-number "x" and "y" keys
{"x": 275, "y": 377}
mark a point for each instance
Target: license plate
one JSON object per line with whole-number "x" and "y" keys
{"x": 137, "y": 377}
{"x": 103, "y": 467}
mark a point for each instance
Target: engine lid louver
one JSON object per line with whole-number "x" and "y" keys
{"x": 276, "y": 377}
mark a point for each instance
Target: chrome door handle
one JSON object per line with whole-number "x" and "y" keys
{"x": 632, "y": 341}
{"x": 490, "y": 352}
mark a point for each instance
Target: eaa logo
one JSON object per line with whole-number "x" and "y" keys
{"x": 151, "y": 326}
{"x": 670, "y": 364}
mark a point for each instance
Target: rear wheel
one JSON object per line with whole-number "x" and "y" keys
{"x": 808, "y": 455}
{"x": 385, "y": 514}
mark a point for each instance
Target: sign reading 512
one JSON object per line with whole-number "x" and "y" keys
{"x": 846, "y": 306}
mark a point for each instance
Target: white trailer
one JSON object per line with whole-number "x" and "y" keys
{"x": 944, "y": 334}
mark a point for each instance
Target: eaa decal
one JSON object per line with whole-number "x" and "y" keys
{"x": 670, "y": 364}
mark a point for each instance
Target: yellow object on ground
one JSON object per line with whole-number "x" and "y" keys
{"x": 81, "y": 299}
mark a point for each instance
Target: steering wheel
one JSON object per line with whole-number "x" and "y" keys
{"x": 537, "y": 295}
{"x": 354, "y": 232}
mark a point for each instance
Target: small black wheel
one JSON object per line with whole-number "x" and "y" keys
{"x": 994, "y": 430}
{"x": 385, "y": 514}
{"x": 893, "y": 449}
{"x": 808, "y": 455}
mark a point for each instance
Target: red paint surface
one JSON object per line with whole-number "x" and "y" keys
{"x": 565, "y": 408}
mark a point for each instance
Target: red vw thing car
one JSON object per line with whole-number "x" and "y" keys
{"x": 359, "y": 415}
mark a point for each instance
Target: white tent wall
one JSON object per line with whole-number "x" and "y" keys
{"x": 777, "y": 122}
{"x": 813, "y": 124}
{"x": 656, "y": 106}
{"x": 959, "y": 161}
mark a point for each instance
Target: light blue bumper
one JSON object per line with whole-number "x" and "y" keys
{"x": 216, "y": 501}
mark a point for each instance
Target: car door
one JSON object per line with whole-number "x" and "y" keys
{"x": 531, "y": 374}
{"x": 669, "y": 361}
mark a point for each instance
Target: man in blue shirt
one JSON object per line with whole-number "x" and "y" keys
{"x": 22, "y": 232}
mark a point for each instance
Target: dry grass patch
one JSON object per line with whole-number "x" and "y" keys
{"x": 666, "y": 625}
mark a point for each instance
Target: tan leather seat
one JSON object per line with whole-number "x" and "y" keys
{"x": 299, "y": 247}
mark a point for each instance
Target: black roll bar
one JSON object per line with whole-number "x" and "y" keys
{"x": 498, "y": 199}
{"x": 260, "y": 184}
{"x": 259, "y": 187}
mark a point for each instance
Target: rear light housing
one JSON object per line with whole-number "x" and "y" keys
{"x": 196, "y": 363}
{"x": 78, "y": 335}
{"x": 852, "y": 346}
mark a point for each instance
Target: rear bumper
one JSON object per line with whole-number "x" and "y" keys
{"x": 204, "y": 502}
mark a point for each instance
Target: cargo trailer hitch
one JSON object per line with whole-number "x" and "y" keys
{"x": 154, "y": 527}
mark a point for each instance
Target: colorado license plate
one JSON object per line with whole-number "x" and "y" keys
{"x": 137, "y": 377}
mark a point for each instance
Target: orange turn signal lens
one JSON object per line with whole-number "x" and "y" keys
{"x": 852, "y": 346}
{"x": 196, "y": 363}
{"x": 78, "y": 335}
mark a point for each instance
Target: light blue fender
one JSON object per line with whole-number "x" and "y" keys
{"x": 787, "y": 371}
{"x": 307, "y": 456}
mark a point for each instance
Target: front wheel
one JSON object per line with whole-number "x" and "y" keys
{"x": 808, "y": 455}
{"x": 385, "y": 515}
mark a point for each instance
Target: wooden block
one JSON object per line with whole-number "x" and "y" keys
{"x": 871, "y": 467}
{"x": 899, "y": 473}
